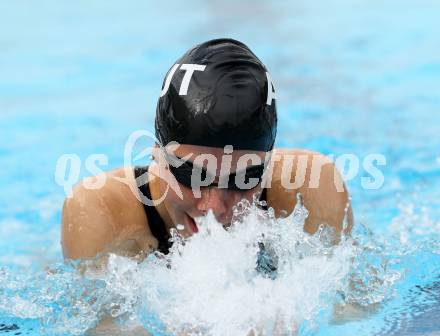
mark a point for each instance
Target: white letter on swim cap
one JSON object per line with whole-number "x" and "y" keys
{"x": 168, "y": 79}
{"x": 270, "y": 90}
{"x": 189, "y": 68}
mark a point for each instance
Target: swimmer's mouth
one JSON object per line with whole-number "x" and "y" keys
{"x": 192, "y": 224}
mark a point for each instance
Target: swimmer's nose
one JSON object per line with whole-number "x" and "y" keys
{"x": 213, "y": 199}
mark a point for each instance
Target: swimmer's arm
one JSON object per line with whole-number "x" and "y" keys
{"x": 328, "y": 201}
{"x": 108, "y": 219}
{"x": 316, "y": 178}
{"x": 105, "y": 220}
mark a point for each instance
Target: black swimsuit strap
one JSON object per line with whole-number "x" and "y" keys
{"x": 263, "y": 197}
{"x": 156, "y": 223}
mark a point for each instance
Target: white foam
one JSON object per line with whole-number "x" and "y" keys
{"x": 209, "y": 283}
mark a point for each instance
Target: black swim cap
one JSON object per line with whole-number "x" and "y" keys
{"x": 218, "y": 93}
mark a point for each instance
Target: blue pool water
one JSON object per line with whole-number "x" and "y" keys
{"x": 351, "y": 76}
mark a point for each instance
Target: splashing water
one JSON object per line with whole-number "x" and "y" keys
{"x": 212, "y": 284}
{"x": 261, "y": 276}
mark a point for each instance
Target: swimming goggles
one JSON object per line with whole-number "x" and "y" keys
{"x": 183, "y": 171}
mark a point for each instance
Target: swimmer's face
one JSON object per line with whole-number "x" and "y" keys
{"x": 197, "y": 201}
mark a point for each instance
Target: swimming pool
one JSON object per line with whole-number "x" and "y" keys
{"x": 354, "y": 77}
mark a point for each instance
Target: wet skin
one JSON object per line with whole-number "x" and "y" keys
{"x": 112, "y": 218}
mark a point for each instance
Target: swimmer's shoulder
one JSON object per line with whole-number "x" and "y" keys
{"x": 317, "y": 179}
{"x": 105, "y": 218}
